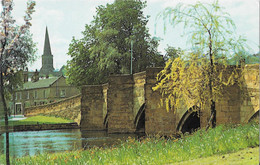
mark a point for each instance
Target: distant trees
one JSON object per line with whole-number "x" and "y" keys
{"x": 26, "y": 54}
{"x": 197, "y": 76}
{"x": 15, "y": 50}
{"x": 172, "y": 53}
{"x": 106, "y": 46}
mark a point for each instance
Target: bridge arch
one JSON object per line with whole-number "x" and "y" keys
{"x": 106, "y": 121}
{"x": 139, "y": 121}
{"x": 255, "y": 116}
{"x": 190, "y": 121}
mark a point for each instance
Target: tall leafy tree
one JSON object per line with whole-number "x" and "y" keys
{"x": 13, "y": 53}
{"x": 172, "y": 53}
{"x": 106, "y": 46}
{"x": 197, "y": 78}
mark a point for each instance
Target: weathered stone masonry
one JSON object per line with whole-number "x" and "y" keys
{"x": 126, "y": 94}
{"x": 120, "y": 105}
{"x": 93, "y": 107}
{"x": 67, "y": 108}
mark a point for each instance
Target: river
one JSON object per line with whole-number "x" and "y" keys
{"x": 51, "y": 141}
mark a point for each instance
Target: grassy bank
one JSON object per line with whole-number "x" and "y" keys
{"x": 248, "y": 156}
{"x": 38, "y": 120}
{"x": 155, "y": 150}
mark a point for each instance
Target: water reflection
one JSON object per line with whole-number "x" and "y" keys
{"x": 36, "y": 142}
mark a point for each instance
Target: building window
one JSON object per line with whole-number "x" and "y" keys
{"x": 35, "y": 95}
{"x": 28, "y": 95}
{"x": 63, "y": 93}
{"x": 18, "y": 96}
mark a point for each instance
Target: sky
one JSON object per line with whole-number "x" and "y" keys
{"x": 67, "y": 18}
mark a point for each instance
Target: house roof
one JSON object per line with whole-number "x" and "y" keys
{"x": 40, "y": 84}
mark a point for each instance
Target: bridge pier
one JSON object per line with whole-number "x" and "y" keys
{"x": 157, "y": 119}
{"x": 93, "y": 105}
{"x": 120, "y": 104}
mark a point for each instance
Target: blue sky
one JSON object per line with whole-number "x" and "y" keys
{"x": 67, "y": 18}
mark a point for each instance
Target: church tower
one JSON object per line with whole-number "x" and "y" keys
{"x": 47, "y": 57}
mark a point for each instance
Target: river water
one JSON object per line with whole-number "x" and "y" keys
{"x": 51, "y": 141}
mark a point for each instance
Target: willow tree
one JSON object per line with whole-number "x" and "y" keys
{"x": 13, "y": 53}
{"x": 197, "y": 77}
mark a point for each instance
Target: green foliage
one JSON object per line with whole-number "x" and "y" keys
{"x": 26, "y": 54}
{"x": 172, "y": 53}
{"x": 199, "y": 75}
{"x": 245, "y": 58}
{"x": 105, "y": 47}
{"x": 156, "y": 150}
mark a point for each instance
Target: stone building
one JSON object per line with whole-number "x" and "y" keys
{"x": 39, "y": 92}
{"x": 39, "y": 87}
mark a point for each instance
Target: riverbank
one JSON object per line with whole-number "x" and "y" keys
{"x": 158, "y": 150}
{"x": 37, "y": 123}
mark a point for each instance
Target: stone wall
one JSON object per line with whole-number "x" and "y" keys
{"x": 120, "y": 104}
{"x": 105, "y": 88}
{"x": 157, "y": 119}
{"x": 238, "y": 104}
{"x": 67, "y": 108}
{"x": 93, "y": 107}
{"x": 39, "y": 127}
{"x": 250, "y": 103}
{"x": 139, "y": 80}
{"x": 228, "y": 107}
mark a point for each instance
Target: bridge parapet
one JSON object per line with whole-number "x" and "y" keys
{"x": 67, "y": 108}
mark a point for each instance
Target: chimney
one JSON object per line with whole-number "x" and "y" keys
{"x": 25, "y": 75}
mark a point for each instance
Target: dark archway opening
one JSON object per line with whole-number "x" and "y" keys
{"x": 140, "y": 128}
{"x": 140, "y": 120}
{"x": 192, "y": 123}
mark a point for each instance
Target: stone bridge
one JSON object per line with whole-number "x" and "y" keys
{"x": 127, "y": 104}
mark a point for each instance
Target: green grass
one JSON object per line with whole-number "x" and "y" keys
{"x": 248, "y": 156}
{"x": 38, "y": 120}
{"x": 156, "y": 150}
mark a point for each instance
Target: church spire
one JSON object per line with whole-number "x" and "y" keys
{"x": 47, "y": 58}
{"x": 47, "y": 46}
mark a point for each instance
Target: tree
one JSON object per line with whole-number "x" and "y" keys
{"x": 106, "y": 45}
{"x": 197, "y": 77}
{"x": 244, "y": 57}
{"x": 172, "y": 53}
{"x": 13, "y": 54}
